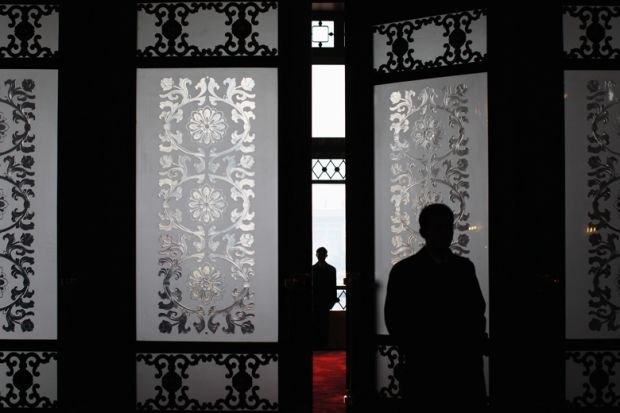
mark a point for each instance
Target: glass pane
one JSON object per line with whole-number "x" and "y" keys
{"x": 206, "y": 201}
{"x": 592, "y": 116}
{"x": 28, "y": 227}
{"x": 328, "y": 226}
{"x": 430, "y": 146}
{"x": 322, "y": 33}
{"x": 328, "y": 113}
{"x": 436, "y": 125}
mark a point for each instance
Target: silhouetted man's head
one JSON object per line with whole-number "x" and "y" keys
{"x": 321, "y": 254}
{"x": 437, "y": 225}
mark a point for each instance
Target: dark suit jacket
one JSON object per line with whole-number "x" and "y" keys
{"x": 435, "y": 312}
{"x": 323, "y": 287}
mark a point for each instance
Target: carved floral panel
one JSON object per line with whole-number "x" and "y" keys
{"x": 430, "y": 146}
{"x": 592, "y": 148}
{"x": 28, "y": 122}
{"x": 207, "y": 216}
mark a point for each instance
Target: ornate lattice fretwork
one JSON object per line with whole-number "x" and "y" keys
{"x": 393, "y": 358}
{"x": 25, "y": 21}
{"x": 242, "y": 19}
{"x": 239, "y": 383}
{"x": 595, "y": 25}
{"x": 23, "y": 371}
{"x": 400, "y": 39}
{"x": 598, "y": 378}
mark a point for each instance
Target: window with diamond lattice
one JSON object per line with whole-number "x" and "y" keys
{"x": 328, "y": 170}
{"x": 328, "y": 212}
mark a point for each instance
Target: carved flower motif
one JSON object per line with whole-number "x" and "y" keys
{"x": 3, "y": 204}
{"x": 3, "y": 282}
{"x": 27, "y": 325}
{"x": 247, "y": 240}
{"x": 205, "y": 284}
{"x": 3, "y": 126}
{"x": 207, "y": 125}
{"x": 247, "y": 161}
{"x": 28, "y": 85}
{"x": 395, "y": 97}
{"x": 206, "y": 204}
{"x": 167, "y": 83}
{"x": 426, "y": 131}
{"x": 397, "y": 241}
{"x": 27, "y": 161}
{"x": 165, "y": 327}
{"x": 403, "y": 218}
{"x": 247, "y": 83}
{"x": 170, "y": 247}
{"x": 610, "y": 87}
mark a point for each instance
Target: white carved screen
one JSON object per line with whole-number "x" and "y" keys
{"x": 592, "y": 150}
{"x": 430, "y": 146}
{"x": 206, "y": 207}
{"x": 28, "y": 232}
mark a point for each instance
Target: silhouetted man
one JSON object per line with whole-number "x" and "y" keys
{"x": 323, "y": 296}
{"x": 434, "y": 310}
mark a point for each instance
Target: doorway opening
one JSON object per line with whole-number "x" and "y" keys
{"x": 328, "y": 208}
{"x": 329, "y": 242}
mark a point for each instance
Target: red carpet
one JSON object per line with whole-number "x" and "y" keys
{"x": 329, "y": 381}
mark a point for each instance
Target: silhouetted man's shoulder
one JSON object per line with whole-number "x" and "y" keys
{"x": 410, "y": 261}
{"x": 463, "y": 261}
{"x": 326, "y": 267}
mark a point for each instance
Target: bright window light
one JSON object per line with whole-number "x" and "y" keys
{"x": 328, "y": 114}
{"x": 329, "y": 224}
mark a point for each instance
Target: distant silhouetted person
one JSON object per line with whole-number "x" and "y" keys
{"x": 434, "y": 310}
{"x": 323, "y": 296}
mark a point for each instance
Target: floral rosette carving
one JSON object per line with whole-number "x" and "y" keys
{"x": 206, "y": 218}
{"x": 604, "y": 213}
{"x": 16, "y": 215}
{"x": 428, "y": 163}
